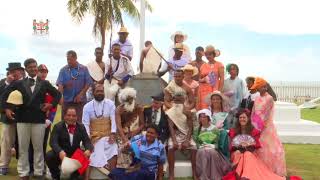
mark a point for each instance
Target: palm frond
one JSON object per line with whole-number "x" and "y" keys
{"x": 78, "y": 8}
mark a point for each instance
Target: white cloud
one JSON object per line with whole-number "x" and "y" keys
{"x": 267, "y": 16}
{"x": 299, "y": 66}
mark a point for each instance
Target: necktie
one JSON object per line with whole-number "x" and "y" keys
{"x": 154, "y": 116}
{"x": 71, "y": 128}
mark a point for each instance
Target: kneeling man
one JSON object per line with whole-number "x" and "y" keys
{"x": 65, "y": 139}
{"x": 99, "y": 121}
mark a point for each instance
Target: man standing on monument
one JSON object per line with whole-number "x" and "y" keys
{"x": 96, "y": 70}
{"x": 125, "y": 45}
{"x": 174, "y": 63}
{"x": 198, "y": 62}
{"x": 118, "y": 72}
{"x": 99, "y": 121}
{"x": 150, "y": 59}
{"x": 73, "y": 82}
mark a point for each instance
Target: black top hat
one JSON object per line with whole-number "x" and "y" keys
{"x": 158, "y": 97}
{"x": 14, "y": 66}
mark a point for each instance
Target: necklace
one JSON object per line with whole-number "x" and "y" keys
{"x": 74, "y": 76}
{"x": 102, "y": 111}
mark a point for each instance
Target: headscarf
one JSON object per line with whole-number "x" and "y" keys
{"x": 258, "y": 83}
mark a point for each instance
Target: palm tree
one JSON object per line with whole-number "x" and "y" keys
{"x": 106, "y": 13}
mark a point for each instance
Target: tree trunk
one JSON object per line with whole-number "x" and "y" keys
{"x": 103, "y": 38}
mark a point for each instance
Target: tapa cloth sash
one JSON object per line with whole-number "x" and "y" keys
{"x": 99, "y": 127}
{"x": 178, "y": 118}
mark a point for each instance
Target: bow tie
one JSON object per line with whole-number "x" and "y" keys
{"x": 71, "y": 128}
{"x": 31, "y": 82}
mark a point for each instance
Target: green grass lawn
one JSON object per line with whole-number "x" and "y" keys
{"x": 301, "y": 159}
{"x": 311, "y": 114}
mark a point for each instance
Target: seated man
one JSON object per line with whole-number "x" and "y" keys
{"x": 181, "y": 127}
{"x": 130, "y": 122}
{"x": 65, "y": 140}
{"x": 99, "y": 121}
{"x": 118, "y": 72}
{"x": 177, "y": 85}
{"x": 155, "y": 115}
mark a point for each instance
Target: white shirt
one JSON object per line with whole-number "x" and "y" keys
{"x": 126, "y": 47}
{"x": 70, "y": 135}
{"x": 103, "y": 151}
{"x": 177, "y": 64}
{"x": 158, "y": 115}
{"x": 124, "y": 68}
{"x": 35, "y": 81}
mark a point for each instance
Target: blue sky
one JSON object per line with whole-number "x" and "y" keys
{"x": 275, "y": 40}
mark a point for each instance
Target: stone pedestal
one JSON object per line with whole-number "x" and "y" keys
{"x": 147, "y": 84}
{"x": 291, "y": 128}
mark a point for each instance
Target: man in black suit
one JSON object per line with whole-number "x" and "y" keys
{"x": 31, "y": 117}
{"x": 65, "y": 140}
{"x": 8, "y": 133}
{"x": 156, "y": 115}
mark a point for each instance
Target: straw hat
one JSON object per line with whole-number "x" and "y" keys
{"x": 189, "y": 67}
{"x": 185, "y": 37}
{"x": 123, "y": 30}
{"x": 211, "y": 48}
{"x": 258, "y": 83}
{"x": 179, "y": 47}
{"x": 225, "y": 100}
{"x": 68, "y": 165}
{"x": 15, "y": 97}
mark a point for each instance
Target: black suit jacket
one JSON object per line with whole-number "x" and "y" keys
{"x": 163, "y": 124}
{"x": 3, "y": 87}
{"x": 30, "y": 111}
{"x": 60, "y": 139}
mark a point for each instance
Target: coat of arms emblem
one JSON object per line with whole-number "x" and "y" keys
{"x": 40, "y": 27}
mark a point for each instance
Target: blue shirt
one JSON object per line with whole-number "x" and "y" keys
{"x": 73, "y": 81}
{"x": 150, "y": 155}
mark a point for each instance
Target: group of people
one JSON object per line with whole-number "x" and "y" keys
{"x": 225, "y": 124}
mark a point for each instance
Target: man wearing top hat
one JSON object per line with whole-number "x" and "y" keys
{"x": 155, "y": 114}
{"x": 8, "y": 135}
{"x": 125, "y": 44}
{"x": 31, "y": 116}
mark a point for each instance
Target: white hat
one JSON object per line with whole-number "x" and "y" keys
{"x": 15, "y": 97}
{"x": 207, "y": 112}
{"x": 185, "y": 37}
{"x": 68, "y": 166}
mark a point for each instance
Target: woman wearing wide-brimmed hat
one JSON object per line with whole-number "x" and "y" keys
{"x": 221, "y": 118}
{"x": 180, "y": 37}
{"x": 211, "y": 76}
